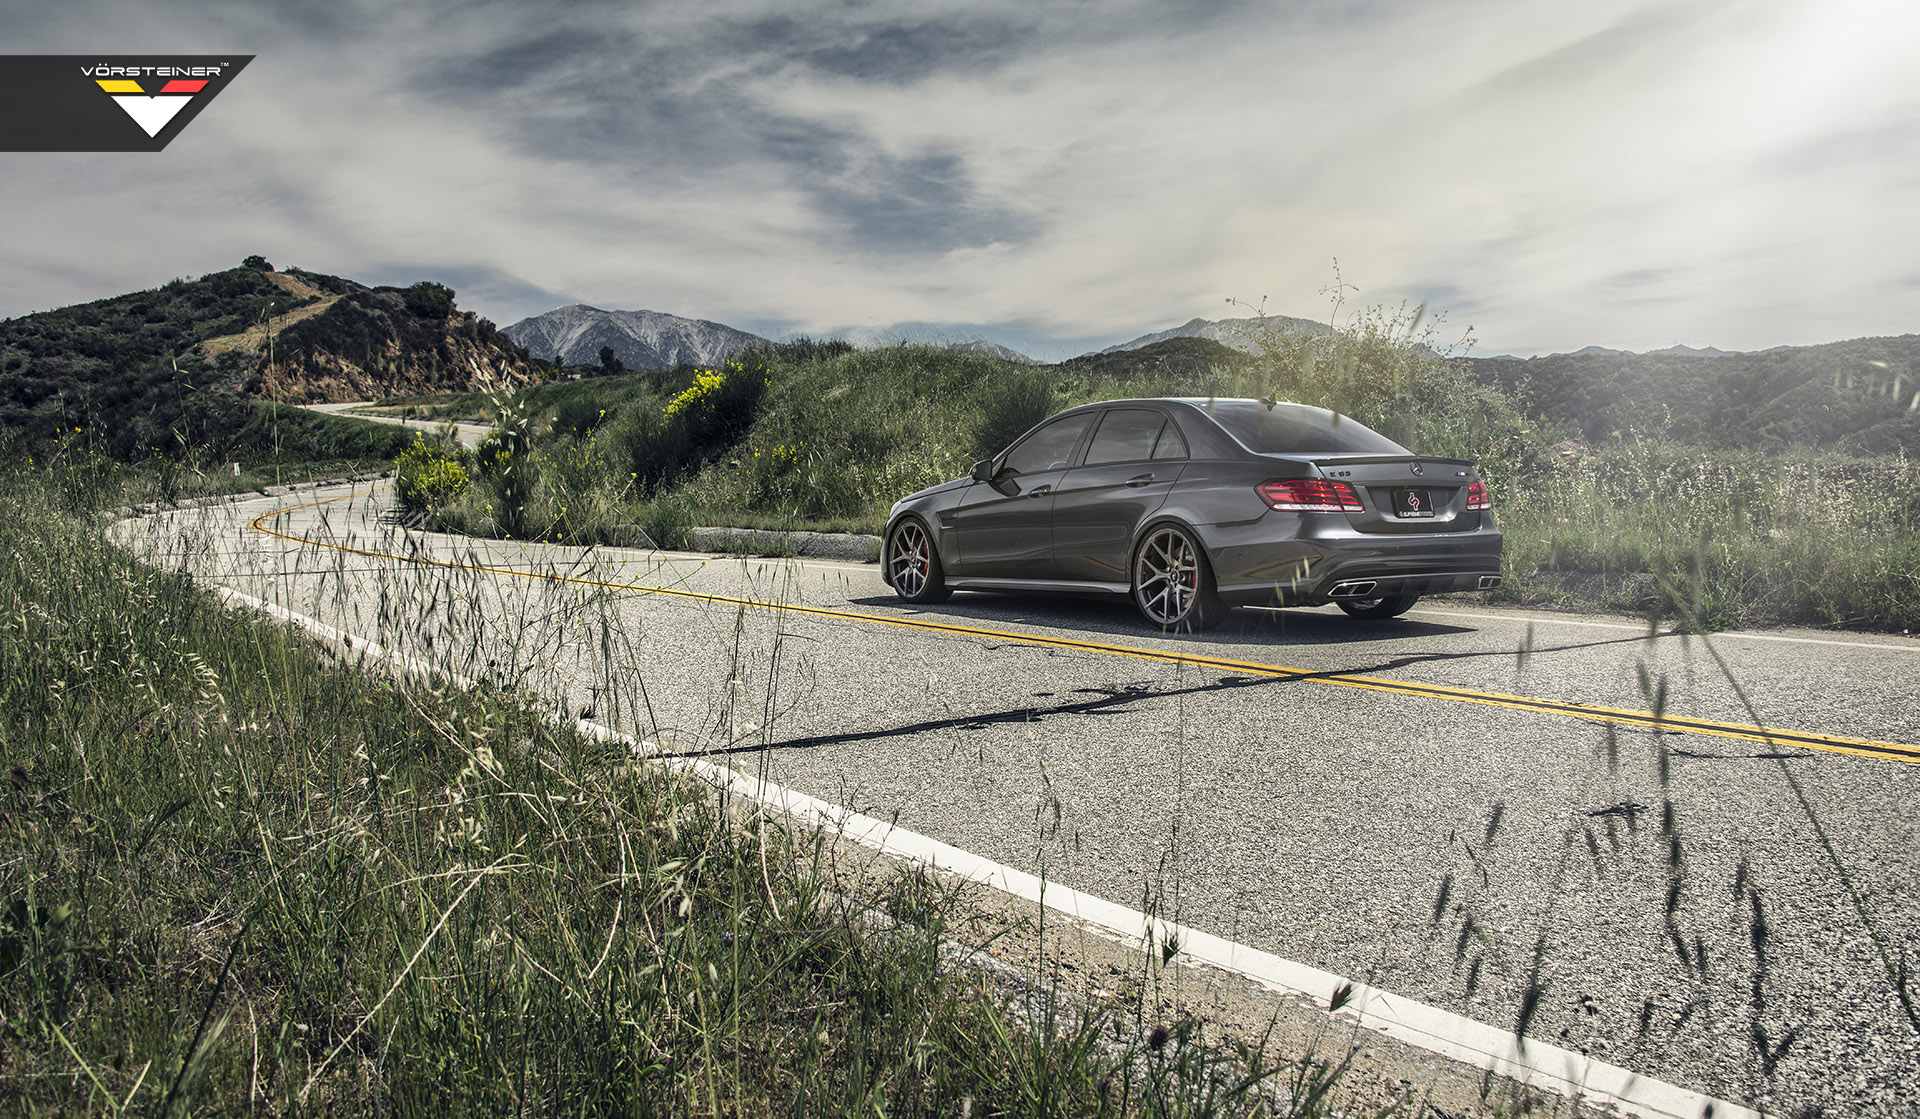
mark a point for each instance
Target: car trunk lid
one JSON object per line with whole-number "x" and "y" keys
{"x": 1405, "y": 493}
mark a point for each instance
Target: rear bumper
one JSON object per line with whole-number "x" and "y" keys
{"x": 1251, "y": 568}
{"x": 1439, "y": 582}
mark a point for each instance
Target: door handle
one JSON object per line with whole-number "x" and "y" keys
{"x": 1041, "y": 491}
{"x": 1139, "y": 480}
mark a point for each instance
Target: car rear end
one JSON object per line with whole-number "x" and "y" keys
{"x": 1366, "y": 519}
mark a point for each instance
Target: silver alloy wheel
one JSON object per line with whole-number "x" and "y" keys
{"x": 1166, "y": 577}
{"x": 908, "y": 558}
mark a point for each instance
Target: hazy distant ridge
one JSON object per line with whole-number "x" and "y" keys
{"x": 994, "y": 349}
{"x": 1227, "y": 332}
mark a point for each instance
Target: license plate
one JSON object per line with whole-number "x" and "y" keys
{"x": 1412, "y": 503}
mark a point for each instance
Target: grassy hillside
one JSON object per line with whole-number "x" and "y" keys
{"x": 380, "y": 341}
{"x": 278, "y": 433}
{"x": 1194, "y": 362}
{"x": 823, "y": 437}
{"x": 176, "y": 371}
{"x": 1860, "y": 397}
{"x": 126, "y": 366}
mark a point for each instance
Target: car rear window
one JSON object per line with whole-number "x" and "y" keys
{"x": 1292, "y": 429}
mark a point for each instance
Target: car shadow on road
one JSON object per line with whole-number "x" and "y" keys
{"x": 1103, "y": 701}
{"x": 982, "y": 612}
{"x": 1241, "y": 627}
{"x": 1120, "y": 699}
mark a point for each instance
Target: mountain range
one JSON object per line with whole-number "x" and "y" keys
{"x": 645, "y": 340}
{"x": 640, "y": 340}
{"x": 1237, "y": 333}
{"x": 1856, "y": 396}
{"x": 186, "y": 363}
{"x": 1675, "y": 350}
{"x": 993, "y": 349}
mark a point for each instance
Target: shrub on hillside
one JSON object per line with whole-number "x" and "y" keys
{"x": 493, "y": 447}
{"x": 697, "y": 424}
{"x": 429, "y": 474}
{"x": 578, "y": 417}
{"x": 1012, "y": 405}
{"x": 430, "y": 300}
{"x": 668, "y": 523}
{"x": 721, "y": 404}
{"x": 800, "y": 349}
{"x": 512, "y": 478}
{"x": 514, "y": 416}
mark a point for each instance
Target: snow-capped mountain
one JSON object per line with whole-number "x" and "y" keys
{"x": 640, "y": 339}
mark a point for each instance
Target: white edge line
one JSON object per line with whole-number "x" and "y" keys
{"x": 1485, "y": 1047}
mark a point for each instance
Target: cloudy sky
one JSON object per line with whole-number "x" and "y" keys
{"x": 1053, "y": 176}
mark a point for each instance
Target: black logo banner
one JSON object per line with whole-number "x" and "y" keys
{"x": 106, "y": 102}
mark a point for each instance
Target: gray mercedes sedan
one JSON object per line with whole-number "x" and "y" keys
{"x": 1190, "y": 506}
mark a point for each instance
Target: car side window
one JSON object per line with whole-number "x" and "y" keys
{"x": 1172, "y": 444}
{"x": 1126, "y": 435}
{"x": 1050, "y": 448}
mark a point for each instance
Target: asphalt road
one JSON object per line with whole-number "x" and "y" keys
{"x": 1388, "y": 801}
{"x": 469, "y": 434}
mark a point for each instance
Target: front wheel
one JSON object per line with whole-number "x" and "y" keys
{"x": 913, "y": 564}
{"x": 1377, "y": 609}
{"x": 1172, "y": 583}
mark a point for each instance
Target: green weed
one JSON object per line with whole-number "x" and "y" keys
{"x": 235, "y": 877}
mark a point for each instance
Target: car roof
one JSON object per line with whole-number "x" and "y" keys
{"x": 1199, "y": 402}
{"x": 1209, "y": 439}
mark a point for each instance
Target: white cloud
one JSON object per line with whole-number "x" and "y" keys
{"x": 1736, "y": 174}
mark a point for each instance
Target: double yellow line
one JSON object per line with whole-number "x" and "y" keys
{"x": 1641, "y": 720}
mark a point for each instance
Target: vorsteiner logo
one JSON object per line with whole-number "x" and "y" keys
{"x": 90, "y": 103}
{"x": 152, "y": 112}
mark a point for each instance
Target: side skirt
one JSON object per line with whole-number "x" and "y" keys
{"x": 1042, "y": 586}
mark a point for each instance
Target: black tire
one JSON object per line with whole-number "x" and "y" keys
{"x": 1378, "y": 609}
{"x": 911, "y": 564}
{"x": 1173, "y": 582}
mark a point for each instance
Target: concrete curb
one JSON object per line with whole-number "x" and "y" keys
{"x": 854, "y": 547}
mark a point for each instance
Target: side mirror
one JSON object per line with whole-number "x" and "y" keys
{"x": 983, "y": 470}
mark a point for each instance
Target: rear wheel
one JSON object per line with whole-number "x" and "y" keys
{"x": 913, "y": 566}
{"x": 1376, "y": 609}
{"x": 1172, "y": 583}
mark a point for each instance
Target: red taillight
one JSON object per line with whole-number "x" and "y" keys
{"x": 1309, "y": 495}
{"x": 1477, "y": 495}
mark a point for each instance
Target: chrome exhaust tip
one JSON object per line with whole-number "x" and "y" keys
{"x": 1360, "y": 589}
{"x": 1488, "y": 582}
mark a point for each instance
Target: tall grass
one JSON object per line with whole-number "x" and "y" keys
{"x": 236, "y": 877}
{"x": 1722, "y": 539}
